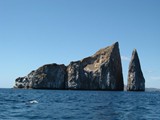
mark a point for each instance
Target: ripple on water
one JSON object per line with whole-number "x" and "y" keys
{"x": 80, "y": 105}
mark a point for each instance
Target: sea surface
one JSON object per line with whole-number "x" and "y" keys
{"x": 16, "y": 104}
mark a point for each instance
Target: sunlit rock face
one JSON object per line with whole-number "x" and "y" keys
{"x": 136, "y": 81}
{"x": 51, "y": 76}
{"x": 101, "y": 71}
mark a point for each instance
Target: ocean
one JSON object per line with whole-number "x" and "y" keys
{"x": 18, "y": 104}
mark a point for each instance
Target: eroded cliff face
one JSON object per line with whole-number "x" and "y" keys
{"x": 51, "y": 76}
{"x": 136, "y": 81}
{"x": 102, "y": 71}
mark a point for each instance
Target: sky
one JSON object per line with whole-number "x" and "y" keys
{"x": 38, "y": 32}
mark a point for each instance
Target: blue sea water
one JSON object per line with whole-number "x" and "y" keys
{"x": 18, "y": 104}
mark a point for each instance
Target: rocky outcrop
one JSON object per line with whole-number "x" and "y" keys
{"x": 51, "y": 76}
{"x": 102, "y": 71}
{"x": 136, "y": 81}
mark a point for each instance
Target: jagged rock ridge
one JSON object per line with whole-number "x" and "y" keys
{"x": 102, "y": 71}
{"x": 51, "y": 76}
{"x": 136, "y": 81}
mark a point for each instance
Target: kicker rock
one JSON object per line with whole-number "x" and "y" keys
{"x": 136, "y": 81}
{"x": 102, "y": 71}
{"x": 51, "y": 76}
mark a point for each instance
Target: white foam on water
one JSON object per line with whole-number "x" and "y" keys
{"x": 33, "y": 102}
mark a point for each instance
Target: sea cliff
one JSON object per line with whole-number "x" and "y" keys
{"x": 101, "y": 71}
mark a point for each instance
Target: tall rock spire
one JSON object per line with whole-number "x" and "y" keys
{"x": 136, "y": 81}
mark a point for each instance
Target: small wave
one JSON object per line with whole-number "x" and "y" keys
{"x": 33, "y": 102}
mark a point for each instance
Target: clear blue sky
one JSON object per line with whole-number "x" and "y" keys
{"x": 38, "y": 32}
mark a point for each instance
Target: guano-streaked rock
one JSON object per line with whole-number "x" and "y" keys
{"x": 136, "y": 81}
{"x": 51, "y": 76}
{"x": 102, "y": 71}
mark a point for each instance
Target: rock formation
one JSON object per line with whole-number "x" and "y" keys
{"x": 102, "y": 71}
{"x": 51, "y": 76}
{"x": 136, "y": 81}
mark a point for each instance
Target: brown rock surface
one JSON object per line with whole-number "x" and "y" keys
{"x": 51, "y": 76}
{"x": 102, "y": 71}
{"x": 136, "y": 81}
